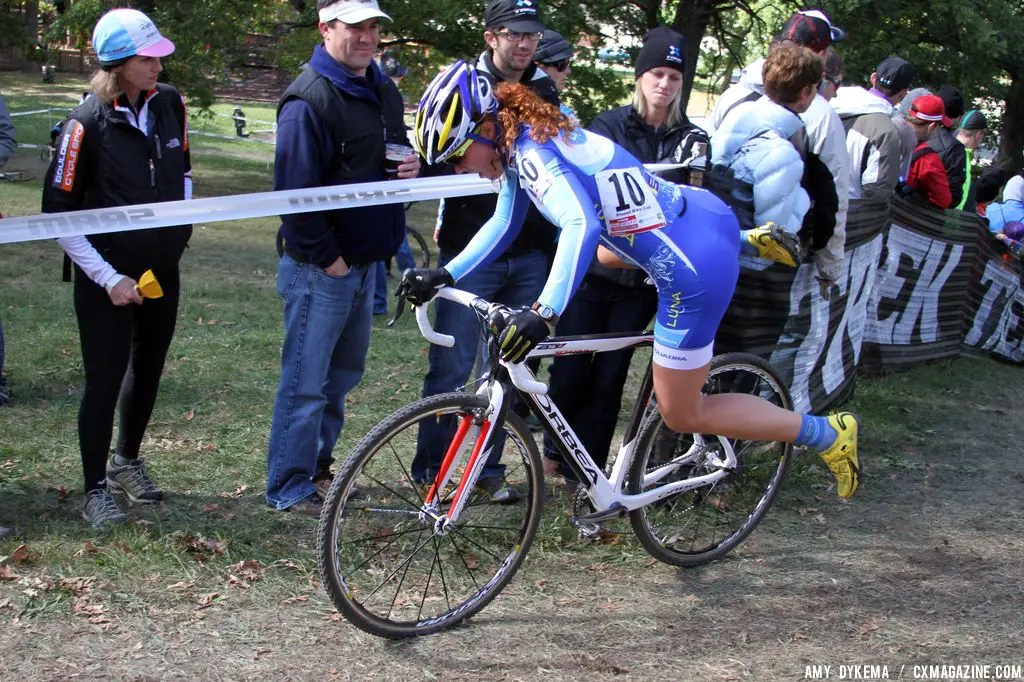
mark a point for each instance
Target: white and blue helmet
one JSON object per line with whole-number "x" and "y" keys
{"x": 451, "y": 109}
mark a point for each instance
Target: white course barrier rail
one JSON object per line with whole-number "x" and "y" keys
{"x": 242, "y": 206}
{"x": 238, "y": 207}
{"x": 15, "y": 114}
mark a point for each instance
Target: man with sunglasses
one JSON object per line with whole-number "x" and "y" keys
{"x": 513, "y": 30}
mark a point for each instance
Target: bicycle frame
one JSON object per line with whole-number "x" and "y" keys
{"x": 606, "y": 493}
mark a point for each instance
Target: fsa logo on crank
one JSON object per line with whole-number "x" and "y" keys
{"x": 567, "y": 435}
{"x": 466, "y": 605}
{"x": 55, "y": 224}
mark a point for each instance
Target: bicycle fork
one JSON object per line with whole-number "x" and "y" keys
{"x": 482, "y": 427}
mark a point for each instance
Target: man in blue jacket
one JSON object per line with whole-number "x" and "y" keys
{"x": 332, "y": 125}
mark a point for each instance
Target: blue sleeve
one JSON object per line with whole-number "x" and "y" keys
{"x": 566, "y": 203}
{"x": 301, "y": 159}
{"x": 491, "y": 240}
{"x": 996, "y": 220}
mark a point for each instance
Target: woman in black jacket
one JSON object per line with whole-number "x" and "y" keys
{"x": 126, "y": 144}
{"x": 654, "y": 128}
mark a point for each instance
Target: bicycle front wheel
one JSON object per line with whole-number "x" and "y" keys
{"x": 705, "y": 523}
{"x": 420, "y": 250}
{"x": 385, "y": 564}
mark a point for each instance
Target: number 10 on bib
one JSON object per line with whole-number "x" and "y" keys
{"x": 629, "y": 204}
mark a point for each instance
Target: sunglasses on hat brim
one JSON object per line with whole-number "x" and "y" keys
{"x": 561, "y": 65}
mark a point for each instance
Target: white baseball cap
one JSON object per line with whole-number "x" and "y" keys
{"x": 352, "y": 11}
{"x": 124, "y": 33}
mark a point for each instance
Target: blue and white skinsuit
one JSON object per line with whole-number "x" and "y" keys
{"x": 685, "y": 238}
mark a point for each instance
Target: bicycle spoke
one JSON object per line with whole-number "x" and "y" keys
{"x": 393, "y": 492}
{"x": 405, "y": 472}
{"x": 465, "y": 563}
{"x": 371, "y": 538}
{"x": 399, "y": 567}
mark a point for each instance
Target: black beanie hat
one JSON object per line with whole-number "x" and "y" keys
{"x": 662, "y": 47}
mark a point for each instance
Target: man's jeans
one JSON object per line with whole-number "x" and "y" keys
{"x": 327, "y": 335}
{"x": 405, "y": 260}
{"x": 515, "y": 281}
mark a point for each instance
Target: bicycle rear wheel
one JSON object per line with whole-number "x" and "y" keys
{"x": 705, "y": 523}
{"x": 383, "y": 563}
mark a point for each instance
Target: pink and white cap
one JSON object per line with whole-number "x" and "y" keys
{"x": 124, "y": 33}
{"x": 352, "y": 11}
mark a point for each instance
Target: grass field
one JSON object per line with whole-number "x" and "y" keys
{"x": 922, "y": 567}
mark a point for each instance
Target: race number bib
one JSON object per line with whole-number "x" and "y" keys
{"x": 630, "y": 205}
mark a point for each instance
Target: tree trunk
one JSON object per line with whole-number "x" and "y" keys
{"x": 691, "y": 20}
{"x": 31, "y": 22}
{"x": 1011, "y": 139}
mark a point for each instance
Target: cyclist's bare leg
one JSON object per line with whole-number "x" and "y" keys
{"x": 733, "y": 415}
{"x": 748, "y": 417}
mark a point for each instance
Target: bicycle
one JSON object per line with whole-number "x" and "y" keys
{"x": 15, "y": 176}
{"x": 402, "y": 557}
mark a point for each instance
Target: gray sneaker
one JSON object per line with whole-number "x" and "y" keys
{"x": 101, "y": 509}
{"x": 133, "y": 481}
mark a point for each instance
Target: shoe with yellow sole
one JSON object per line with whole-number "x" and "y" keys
{"x": 841, "y": 456}
{"x": 775, "y": 244}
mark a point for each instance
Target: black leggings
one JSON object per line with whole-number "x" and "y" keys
{"x": 123, "y": 352}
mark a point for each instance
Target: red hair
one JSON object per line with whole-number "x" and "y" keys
{"x": 520, "y": 105}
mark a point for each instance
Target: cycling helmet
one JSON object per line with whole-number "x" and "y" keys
{"x": 451, "y": 109}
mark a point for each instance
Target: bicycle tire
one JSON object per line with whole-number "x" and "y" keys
{"x": 718, "y": 502}
{"x": 355, "y": 522}
{"x": 421, "y": 247}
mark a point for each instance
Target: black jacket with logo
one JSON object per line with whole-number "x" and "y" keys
{"x": 103, "y": 161}
{"x": 954, "y": 159}
{"x": 462, "y": 217}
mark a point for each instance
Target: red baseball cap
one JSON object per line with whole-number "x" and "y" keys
{"x": 929, "y": 108}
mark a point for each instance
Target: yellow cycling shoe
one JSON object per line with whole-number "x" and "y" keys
{"x": 775, "y": 244}
{"x": 841, "y": 456}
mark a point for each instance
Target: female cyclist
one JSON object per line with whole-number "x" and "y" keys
{"x": 595, "y": 192}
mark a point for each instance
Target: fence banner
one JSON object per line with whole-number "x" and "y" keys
{"x": 917, "y": 307}
{"x": 813, "y": 341}
{"x": 994, "y": 319}
{"x": 918, "y": 285}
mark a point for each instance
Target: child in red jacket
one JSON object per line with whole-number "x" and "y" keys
{"x": 927, "y": 175}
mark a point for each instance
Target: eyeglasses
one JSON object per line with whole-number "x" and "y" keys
{"x": 517, "y": 37}
{"x": 561, "y": 65}
{"x": 837, "y": 82}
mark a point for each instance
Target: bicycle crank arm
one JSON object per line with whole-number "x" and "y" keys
{"x": 616, "y": 511}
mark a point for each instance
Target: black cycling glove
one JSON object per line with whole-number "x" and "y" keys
{"x": 419, "y": 285}
{"x": 522, "y": 332}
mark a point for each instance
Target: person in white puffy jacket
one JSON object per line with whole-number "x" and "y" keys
{"x": 753, "y": 141}
{"x": 823, "y": 144}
